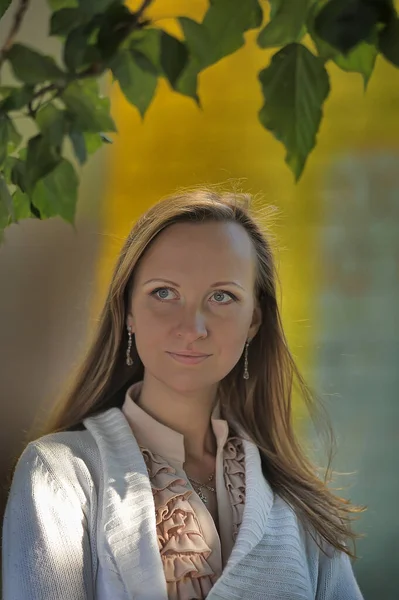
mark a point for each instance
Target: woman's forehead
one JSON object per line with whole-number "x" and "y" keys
{"x": 225, "y": 239}
{"x": 216, "y": 249}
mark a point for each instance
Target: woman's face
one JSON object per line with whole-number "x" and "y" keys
{"x": 194, "y": 294}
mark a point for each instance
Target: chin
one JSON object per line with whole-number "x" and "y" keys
{"x": 188, "y": 383}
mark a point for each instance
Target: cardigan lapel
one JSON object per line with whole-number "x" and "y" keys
{"x": 128, "y": 510}
{"x": 259, "y": 499}
{"x": 269, "y": 559}
{"x": 128, "y": 526}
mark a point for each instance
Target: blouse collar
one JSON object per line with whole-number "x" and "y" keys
{"x": 159, "y": 438}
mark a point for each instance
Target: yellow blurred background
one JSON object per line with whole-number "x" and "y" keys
{"x": 338, "y": 251}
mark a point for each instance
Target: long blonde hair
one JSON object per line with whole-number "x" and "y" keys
{"x": 261, "y": 407}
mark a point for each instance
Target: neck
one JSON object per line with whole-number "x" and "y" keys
{"x": 188, "y": 413}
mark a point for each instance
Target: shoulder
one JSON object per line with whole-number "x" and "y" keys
{"x": 79, "y": 456}
{"x": 64, "y": 441}
{"x": 67, "y": 460}
{"x": 64, "y": 447}
{"x": 80, "y": 446}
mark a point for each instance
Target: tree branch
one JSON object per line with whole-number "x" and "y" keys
{"x": 94, "y": 70}
{"x": 19, "y": 15}
{"x": 44, "y": 90}
{"x": 143, "y": 7}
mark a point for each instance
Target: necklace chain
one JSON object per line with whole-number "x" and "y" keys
{"x": 199, "y": 486}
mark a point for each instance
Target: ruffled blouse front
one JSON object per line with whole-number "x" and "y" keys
{"x": 234, "y": 476}
{"x": 190, "y": 546}
{"x": 183, "y": 549}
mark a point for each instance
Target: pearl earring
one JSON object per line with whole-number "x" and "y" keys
{"x": 129, "y": 360}
{"x": 246, "y": 373}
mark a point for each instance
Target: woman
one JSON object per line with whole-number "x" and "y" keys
{"x": 172, "y": 470}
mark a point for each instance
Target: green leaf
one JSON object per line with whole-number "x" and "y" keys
{"x": 286, "y": 25}
{"x": 220, "y": 12}
{"x": 10, "y": 138}
{"x": 78, "y": 50}
{"x": 21, "y": 205}
{"x": 85, "y": 144}
{"x": 221, "y": 33}
{"x": 17, "y": 98}
{"x": 187, "y": 83}
{"x": 169, "y": 57}
{"x": 6, "y": 168}
{"x": 5, "y": 90}
{"x": 137, "y": 78}
{"x": 346, "y": 23}
{"x": 56, "y": 194}
{"x": 88, "y": 110}
{"x": 79, "y": 145}
{"x": 17, "y": 169}
{"x": 226, "y": 21}
{"x": 92, "y": 7}
{"x": 173, "y": 57}
{"x": 58, "y": 4}
{"x": 116, "y": 25}
{"x": 148, "y": 42}
{"x": 31, "y": 66}
{"x": 197, "y": 39}
{"x": 4, "y": 4}
{"x": 64, "y": 20}
{"x": 295, "y": 86}
{"x": 14, "y": 137}
{"x": 359, "y": 60}
{"x": 93, "y": 142}
{"x": 6, "y": 206}
{"x": 52, "y": 123}
{"x": 41, "y": 159}
{"x": 385, "y": 9}
{"x": 22, "y": 152}
{"x": 388, "y": 42}
{"x": 75, "y": 49}
{"x": 3, "y": 137}
{"x": 324, "y": 50}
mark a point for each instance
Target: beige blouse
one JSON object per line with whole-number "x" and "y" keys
{"x": 192, "y": 551}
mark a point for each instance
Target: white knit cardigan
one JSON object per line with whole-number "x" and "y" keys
{"x": 80, "y": 525}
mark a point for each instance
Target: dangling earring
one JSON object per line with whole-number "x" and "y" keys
{"x": 246, "y": 374}
{"x": 129, "y": 360}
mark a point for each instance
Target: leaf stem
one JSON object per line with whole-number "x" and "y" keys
{"x": 58, "y": 88}
{"x": 93, "y": 71}
{"x": 143, "y": 7}
{"x": 19, "y": 15}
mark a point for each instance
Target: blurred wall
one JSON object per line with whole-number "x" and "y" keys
{"x": 48, "y": 275}
{"x": 357, "y": 344}
{"x": 337, "y": 233}
{"x": 338, "y": 248}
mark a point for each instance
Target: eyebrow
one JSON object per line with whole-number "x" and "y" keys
{"x": 214, "y": 285}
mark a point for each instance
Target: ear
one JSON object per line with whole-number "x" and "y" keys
{"x": 256, "y": 322}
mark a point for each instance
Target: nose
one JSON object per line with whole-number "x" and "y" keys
{"x": 192, "y": 326}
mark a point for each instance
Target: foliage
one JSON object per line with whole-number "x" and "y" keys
{"x": 100, "y": 36}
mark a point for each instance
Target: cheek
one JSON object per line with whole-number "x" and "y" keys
{"x": 148, "y": 327}
{"x": 229, "y": 337}
{"x": 231, "y": 345}
{"x": 151, "y": 332}
{"x": 235, "y": 333}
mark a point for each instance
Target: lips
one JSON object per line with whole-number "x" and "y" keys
{"x": 191, "y": 354}
{"x": 188, "y": 359}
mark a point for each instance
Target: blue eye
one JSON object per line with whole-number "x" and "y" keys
{"x": 160, "y": 294}
{"x": 221, "y": 297}
{"x": 229, "y": 295}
